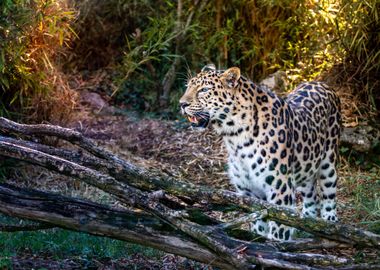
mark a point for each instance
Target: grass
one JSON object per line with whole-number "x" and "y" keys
{"x": 360, "y": 197}
{"x": 62, "y": 243}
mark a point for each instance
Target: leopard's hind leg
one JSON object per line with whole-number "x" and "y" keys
{"x": 328, "y": 176}
{"x": 327, "y": 181}
{"x": 283, "y": 194}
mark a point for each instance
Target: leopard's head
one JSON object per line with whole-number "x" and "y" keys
{"x": 207, "y": 93}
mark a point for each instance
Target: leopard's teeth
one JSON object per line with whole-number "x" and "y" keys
{"x": 192, "y": 119}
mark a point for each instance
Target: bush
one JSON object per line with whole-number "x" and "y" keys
{"x": 102, "y": 27}
{"x": 259, "y": 36}
{"x": 32, "y": 35}
{"x": 358, "y": 24}
{"x": 157, "y": 43}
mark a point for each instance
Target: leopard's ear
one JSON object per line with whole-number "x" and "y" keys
{"x": 230, "y": 77}
{"x": 209, "y": 67}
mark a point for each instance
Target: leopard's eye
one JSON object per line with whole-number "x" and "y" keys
{"x": 203, "y": 90}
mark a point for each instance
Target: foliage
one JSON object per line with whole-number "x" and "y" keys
{"x": 305, "y": 38}
{"x": 32, "y": 34}
{"x": 102, "y": 27}
{"x": 308, "y": 39}
{"x": 259, "y": 36}
{"x": 358, "y": 24}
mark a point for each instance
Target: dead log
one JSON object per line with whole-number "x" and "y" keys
{"x": 141, "y": 178}
{"x": 136, "y": 227}
{"x": 156, "y": 193}
{"x": 85, "y": 216}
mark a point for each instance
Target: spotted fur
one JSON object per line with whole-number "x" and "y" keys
{"x": 276, "y": 146}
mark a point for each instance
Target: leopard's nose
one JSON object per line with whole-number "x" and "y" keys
{"x": 184, "y": 105}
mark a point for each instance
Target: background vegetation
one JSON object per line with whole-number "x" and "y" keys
{"x": 152, "y": 46}
{"x": 32, "y": 34}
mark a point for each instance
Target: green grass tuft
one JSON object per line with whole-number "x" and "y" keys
{"x": 362, "y": 191}
{"x": 62, "y": 243}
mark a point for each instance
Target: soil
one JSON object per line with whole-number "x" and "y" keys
{"x": 172, "y": 146}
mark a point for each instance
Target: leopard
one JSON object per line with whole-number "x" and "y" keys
{"x": 277, "y": 147}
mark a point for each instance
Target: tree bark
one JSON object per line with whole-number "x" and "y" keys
{"x": 361, "y": 138}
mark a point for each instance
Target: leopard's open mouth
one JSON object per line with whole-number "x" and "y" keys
{"x": 199, "y": 119}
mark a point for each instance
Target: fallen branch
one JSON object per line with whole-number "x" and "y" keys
{"x": 157, "y": 193}
{"x": 85, "y": 216}
{"x": 333, "y": 231}
{"x": 126, "y": 194}
{"x": 136, "y": 227}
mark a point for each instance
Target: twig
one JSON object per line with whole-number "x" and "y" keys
{"x": 236, "y": 223}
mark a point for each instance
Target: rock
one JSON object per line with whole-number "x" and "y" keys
{"x": 276, "y": 82}
{"x": 361, "y": 138}
{"x": 96, "y": 102}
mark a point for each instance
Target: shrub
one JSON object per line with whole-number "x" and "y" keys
{"x": 162, "y": 40}
{"x": 358, "y": 24}
{"x": 32, "y": 37}
{"x": 103, "y": 27}
{"x": 259, "y": 36}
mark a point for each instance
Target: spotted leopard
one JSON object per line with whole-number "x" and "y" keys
{"x": 276, "y": 146}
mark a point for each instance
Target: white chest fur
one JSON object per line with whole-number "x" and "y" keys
{"x": 247, "y": 168}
